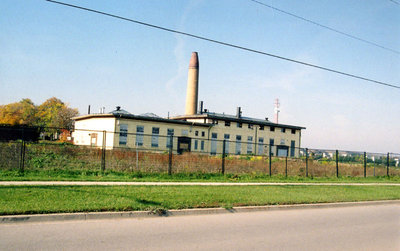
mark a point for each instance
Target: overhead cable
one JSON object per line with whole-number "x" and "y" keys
{"x": 225, "y": 44}
{"x": 326, "y": 27}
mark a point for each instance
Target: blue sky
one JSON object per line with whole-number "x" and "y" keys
{"x": 83, "y": 58}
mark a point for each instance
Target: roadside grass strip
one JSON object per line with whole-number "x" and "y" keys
{"x": 16, "y": 200}
{"x": 137, "y": 176}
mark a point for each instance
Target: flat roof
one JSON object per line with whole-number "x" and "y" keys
{"x": 139, "y": 117}
{"x": 232, "y": 118}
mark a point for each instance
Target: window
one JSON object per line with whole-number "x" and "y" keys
{"x": 271, "y": 146}
{"x": 249, "y": 144}
{"x": 185, "y": 132}
{"x": 272, "y": 128}
{"x": 170, "y": 134}
{"x": 227, "y": 123}
{"x": 139, "y": 135}
{"x": 292, "y": 148}
{"x": 282, "y": 141}
{"x": 238, "y": 144}
{"x": 196, "y": 133}
{"x": 203, "y": 134}
{"x": 261, "y": 128}
{"x": 214, "y": 143}
{"x": 123, "y": 134}
{"x": 214, "y": 121}
{"x": 196, "y": 144}
{"x": 293, "y": 131}
{"x": 239, "y": 125}
{"x": 226, "y": 138}
{"x": 154, "y": 137}
{"x": 260, "y": 146}
{"x": 283, "y": 130}
{"x": 250, "y": 126}
{"x": 202, "y": 145}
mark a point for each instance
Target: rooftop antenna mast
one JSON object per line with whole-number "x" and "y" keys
{"x": 276, "y": 110}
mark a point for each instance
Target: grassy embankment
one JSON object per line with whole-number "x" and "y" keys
{"x": 54, "y": 199}
{"x": 44, "y": 161}
{"x": 110, "y": 175}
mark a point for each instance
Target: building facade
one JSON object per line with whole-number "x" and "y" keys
{"x": 197, "y": 131}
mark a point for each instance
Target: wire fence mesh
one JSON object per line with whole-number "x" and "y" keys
{"x": 138, "y": 152}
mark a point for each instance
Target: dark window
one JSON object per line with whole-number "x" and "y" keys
{"x": 271, "y": 142}
{"x": 292, "y": 147}
{"x": 170, "y": 133}
{"x": 139, "y": 135}
{"x": 261, "y": 128}
{"x": 196, "y": 144}
{"x": 283, "y": 130}
{"x": 123, "y": 134}
{"x": 250, "y": 126}
{"x": 238, "y": 146}
{"x": 202, "y": 145}
{"x": 154, "y": 137}
{"x": 239, "y": 125}
{"x": 203, "y": 134}
{"x": 214, "y": 135}
{"x": 226, "y": 136}
{"x": 293, "y": 131}
{"x": 272, "y": 129}
{"x": 214, "y": 121}
{"x": 227, "y": 123}
{"x": 196, "y": 133}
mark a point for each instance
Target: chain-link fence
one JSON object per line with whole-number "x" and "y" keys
{"x": 128, "y": 152}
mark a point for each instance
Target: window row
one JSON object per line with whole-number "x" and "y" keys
{"x": 261, "y": 127}
{"x": 155, "y": 132}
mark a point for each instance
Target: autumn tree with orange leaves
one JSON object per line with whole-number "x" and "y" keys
{"x": 51, "y": 113}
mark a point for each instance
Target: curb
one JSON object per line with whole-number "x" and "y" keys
{"x": 183, "y": 212}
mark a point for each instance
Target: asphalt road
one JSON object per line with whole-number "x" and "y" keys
{"x": 347, "y": 228}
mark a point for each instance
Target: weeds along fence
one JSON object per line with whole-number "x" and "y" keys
{"x": 123, "y": 152}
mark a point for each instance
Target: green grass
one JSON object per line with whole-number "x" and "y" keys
{"x": 54, "y": 199}
{"x": 87, "y": 175}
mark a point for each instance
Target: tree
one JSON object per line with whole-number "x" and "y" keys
{"x": 51, "y": 113}
{"x": 20, "y": 113}
{"x": 55, "y": 113}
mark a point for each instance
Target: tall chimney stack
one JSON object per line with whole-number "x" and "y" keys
{"x": 192, "y": 85}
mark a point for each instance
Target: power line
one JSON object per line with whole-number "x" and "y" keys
{"x": 394, "y": 2}
{"x": 225, "y": 44}
{"x": 327, "y": 27}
